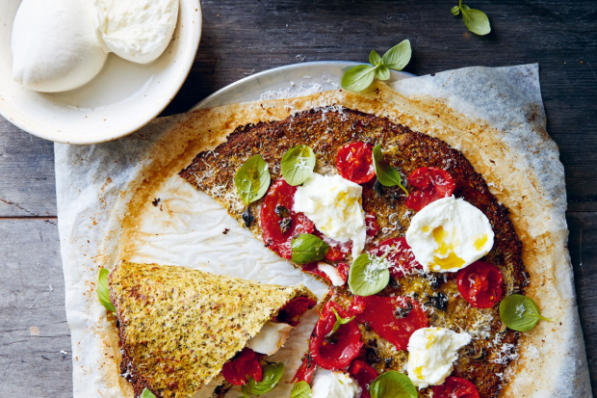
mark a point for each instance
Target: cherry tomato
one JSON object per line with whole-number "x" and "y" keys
{"x": 344, "y": 269}
{"x": 246, "y": 363}
{"x": 399, "y": 255}
{"x": 305, "y": 371}
{"x": 355, "y": 162}
{"x": 371, "y": 224}
{"x": 431, "y": 183}
{"x": 364, "y": 375}
{"x": 279, "y": 222}
{"x": 455, "y": 387}
{"x": 480, "y": 284}
{"x": 338, "y": 250}
{"x": 393, "y": 318}
{"x": 313, "y": 269}
{"x": 338, "y": 350}
{"x": 293, "y": 310}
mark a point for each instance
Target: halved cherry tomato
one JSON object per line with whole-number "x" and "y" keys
{"x": 480, "y": 284}
{"x": 293, "y": 310}
{"x": 393, "y": 318}
{"x": 400, "y": 257}
{"x": 455, "y": 387}
{"x": 371, "y": 224}
{"x": 338, "y": 350}
{"x": 279, "y": 222}
{"x": 431, "y": 183}
{"x": 313, "y": 269}
{"x": 246, "y": 363}
{"x": 344, "y": 269}
{"x": 364, "y": 375}
{"x": 305, "y": 371}
{"x": 338, "y": 250}
{"x": 355, "y": 162}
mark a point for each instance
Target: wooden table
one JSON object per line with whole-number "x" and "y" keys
{"x": 241, "y": 37}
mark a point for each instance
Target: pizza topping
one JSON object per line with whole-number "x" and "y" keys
{"x": 355, "y": 162}
{"x": 386, "y": 174}
{"x": 364, "y": 375}
{"x": 246, "y": 363}
{"x": 328, "y": 384}
{"x": 294, "y": 309}
{"x": 270, "y": 338}
{"x": 449, "y": 234}
{"x": 333, "y": 274}
{"x": 455, "y": 387}
{"x": 480, "y": 284}
{"x": 520, "y": 313}
{"x": 252, "y": 179}
{"x": 392, "y": 384}
{"x": 338, "y": 250}
{"x": 430, "y": 184}
{"x": 307, "y": 248}
{"x": 281, "y": 197}
{"x": 399, "y": 256}
{"x": 297, "y": 164}
{"x": 368, "y": 275}
{"x": 431, "y": 354}
{"x": 305, "y": 371}
{"x": 338, "y": 350}
{"x": 371, "y": 224}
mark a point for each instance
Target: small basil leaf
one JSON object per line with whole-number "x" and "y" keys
{"x": 339, "y": 321}
{"x": 358, "y": 78}
{"x": 374, "y": 58}
{"x": 520, "y": 313}
{"x": 386, "y": 174}
{"x": 252, "y": 179}
{"x": 103, "y": 290}
{"x": 307, "y": 248}
{"x": 382, "y": 72}
{"x": 272, "y": 374}
{"x": 146, "y": 394}
{"x": 368, "y": 275}
{"x": 476, "y": 21}
{"x": 398, "y": 56}
{"x": 455, "y": 10}
{"x": 465, "y": 7}
{"x": 297, "y": 164}
{"x": 301, "y": 390}
{"x": 392, "y": 384}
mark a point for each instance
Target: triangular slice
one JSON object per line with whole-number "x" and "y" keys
{"x": 178, "y": 326}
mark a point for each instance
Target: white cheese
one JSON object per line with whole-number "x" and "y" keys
{"x": 136, "y": 30}
{"x": 334, "y": 204}
{"x": 449, "y": 234}
{"x": 431, "y": 354}
{"x": 270, "y": 338}
{"x": 328, "y": 384}
{"x": 332, "y": 273}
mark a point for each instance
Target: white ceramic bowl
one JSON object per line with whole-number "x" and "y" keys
{"x": 121, "y": 99}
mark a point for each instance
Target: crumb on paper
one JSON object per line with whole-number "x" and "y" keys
{"x": 225, "y": 231}
{"x": 34, "y": 331}
{"x": 156, "y": 201}
{"x": 51, "y": 288}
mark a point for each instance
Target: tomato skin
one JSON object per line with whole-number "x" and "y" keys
{"x": 313, "y": 269}
{"x": 282, "y": 194}
{"x": 431, "y": 183}
{"x": 339, "y": 354}
{"x": 364, "y": 375}
{"x": 293, "y": 310}
{"x": 344, "y": 269}
{"x": 480, "y": 284}
{"x": 338, "y": 250}
{"x": 355, "y": 162}
{"x": 400, "y": 256}
{"x": 305, "y": 371}
{"x": 455, "y": 387}
{"x": 372, "y": 226}
{"x": 246, "y": 363}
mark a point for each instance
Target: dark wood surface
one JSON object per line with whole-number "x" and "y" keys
{"x": 241, "y": 37}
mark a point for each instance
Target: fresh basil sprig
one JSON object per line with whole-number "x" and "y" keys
{"x": 339, "y": 321}
{"x": 146, "y": 394}
{"x": 252, "y": 179}
{"x": 308, "y": 248}
{"x": 475, "y": 20}
{"x": 301, "y": 390}
{"x": 520, "y": 313}
{"x": 272, "y": 373}
{"x": 392, "y": 384}
{"x": 368, "y": 275}
{"x": 386, "y": 174}
{"x": 297, "y": 164}
{"x": 103, "y": 290}
{"x": 359, "y": 77}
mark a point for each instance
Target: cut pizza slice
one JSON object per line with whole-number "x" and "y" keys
{"x": 188, "y": 333}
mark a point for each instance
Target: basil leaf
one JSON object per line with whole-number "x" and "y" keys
{"x": 103, "y": 291}
{"x": 382, "y": 72}
{"x": 386, "y": 174}
{"x": 455, "y": 10}
{"x": 520, "y": 313}
{"x": 301, "y": 390}
{"x": 272, "y": 374}
{"x": 297, "y": 164}
{"x": 368, "y": 275}
{"x": 476, "y": 21}
{"x": 252, "y": 179}
{"x": 358, "y": 78}
{"x": 146, "y": 394}
{"x": 339, "y": 322}
{"x": 392, "y": 384}
{"x": 374, "y": 58}
{"x": 398, "y": 56}
{"x": 307, "y": 248}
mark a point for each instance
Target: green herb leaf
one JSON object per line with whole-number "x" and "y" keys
{"x": 358, "y": 78}
{"x": 398, "y": 56}
{"x": 297, "y": 164}
{"x": 374, "y": 58}
{"x": 307, "y": 248}
{"x": 476, "y": 21}
{"x": 301, "y": 390}
{"x": 392, "y": 384}
{"x": 368, "y": 275}
{"x": 386, "y": 174}
{"x": 339, "y": 321}
{"x": 146, "y": 394}
{"x": 103, "y": 291}
{"x": 520, "y": 313}
{"x": 252, "y": 179}
{"x": 272, "y": 373}
{"x": 382, "y": 72}
{"x": 455, "y": 10}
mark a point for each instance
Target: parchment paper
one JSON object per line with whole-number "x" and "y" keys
{"x": 186, "y": 227}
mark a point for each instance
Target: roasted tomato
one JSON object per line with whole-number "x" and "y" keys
{"x": 305, "y": 371}
{"x": 279, "y": 222}
{"x": 355, "y": 162}
{"x": 393, "y": 318}
{"x": 400, "y": 257}
{"x": 480, "y": 284}
{"x": 455, "y": 387}
{"x": 338, "y": 350}
{"x": 338, "y": 250}
{"x": 293, "y": 310}
{"x": 244, "y": 364}
{"x": 364, "y": 375}
{"x": 431, "y": 184}
{"x": 313, "y": 269}
{"x": 344, "y": 269}
{"x": 371, "y": 224}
